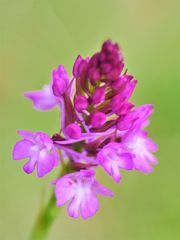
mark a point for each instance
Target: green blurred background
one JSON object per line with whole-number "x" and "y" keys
{"x": 36, "y": 36}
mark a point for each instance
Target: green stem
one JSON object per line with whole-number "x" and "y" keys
{"x": 45, "y": 220}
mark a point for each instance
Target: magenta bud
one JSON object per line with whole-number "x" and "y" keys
{"x": 94, "y": 75}
{"x": 80, "y": 103}
{"x": 73, "y": 131}
{"x": 106, "y": 68}
{"x": 60, "y": 81}
{"x": 99, "y": 95}
{"x": 58, "y": 87}
{"x": 98, "y": 119}
{"x": 76, "y": 66}
{"x": 80, "y": 66}
{"x": 109, "y": 46}
{"x": 119, "y": 82}
{"x": 124, "y": 123}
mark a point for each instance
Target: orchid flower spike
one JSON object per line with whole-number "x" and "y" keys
{"x": 99, "y": 127}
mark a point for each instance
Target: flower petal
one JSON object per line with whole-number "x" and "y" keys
{"x": 142, "y": 165}
{"x": 73, "y": 208}
{"x": 22, "y": 149}
{"x": 115, "y": 173}
{"x": 152, "y": 146}
{"x": 141, "y": 146}
{"x": 89, "y": 206}
{"x": 46, "y": 162}
{"x": 30, "y": 165}
{"x": 43, "y": 138}
{"x": 63, "y": 190}
{"x": 44, "y": 99}
{"x": 111, "y": 167}
{"x": 150, "y": 158}
{"x": 125, "y": 161}
{"x": 26, "y": 134}
{"x": 100, "y": 189}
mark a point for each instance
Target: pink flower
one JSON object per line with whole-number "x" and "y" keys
{"x": 142, "y": 147}
{"x": 81, "y": 190}
{"x": 40, "y": 151}
{"x": 50, "y": 95}
{"x": 135, "y": 119}
{"x": 113, "y": 157}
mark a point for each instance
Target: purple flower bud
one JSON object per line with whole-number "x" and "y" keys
{"x": 73, "y": 131}
{"x": 80, "y": 66}
{"x": 119, "y": 105}
{"x": 108, "y": 47}
{"x": 124, "y": 85}
{"x": 98, "y": 119}
{"x": 106, "y": 64}
{"x": 94, "y": 60}
{"x": 119, "y": 82}
{"x": 102, "y": 57}
{"x": 99, "y": 95}
{"x": 106, "y": 68}
{"x": 76, "y": 66}
{"x": 80, "y": 103}
{"x": 112, "y": 50}
{"x": 94, "y": 75}
{"x": 60, "y": 81}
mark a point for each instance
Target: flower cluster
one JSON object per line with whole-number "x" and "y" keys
{"x": 99, "y": 127}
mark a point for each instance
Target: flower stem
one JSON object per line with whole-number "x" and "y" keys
{"x": 45, "y": 220}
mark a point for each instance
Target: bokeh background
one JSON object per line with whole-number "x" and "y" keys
{"x": 36, "y": 36}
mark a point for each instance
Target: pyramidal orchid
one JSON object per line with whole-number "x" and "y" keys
{"x": 99, "y": 128}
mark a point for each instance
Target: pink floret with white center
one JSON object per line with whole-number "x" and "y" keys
{"x": 113, "y": 157}
{"x": 40, "y": 151}
{"x": 80, "y": 189}
{"x": 142, "y": 147}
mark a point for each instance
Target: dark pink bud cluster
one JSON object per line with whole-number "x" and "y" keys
{"x": 102, "y": 90}
{"x": 107, "y": 64}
